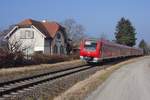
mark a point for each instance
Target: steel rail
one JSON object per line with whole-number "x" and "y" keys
{"x": 14, "y": 86}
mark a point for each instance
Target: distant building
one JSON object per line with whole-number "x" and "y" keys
{"x": 39, "y": 36}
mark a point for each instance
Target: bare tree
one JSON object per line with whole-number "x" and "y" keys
{"x": 7, "y": 30}
{"x": 75, "y": 33}
{"x": 3, "y": 33}
{"x": 74, "y": 30}
{"x": 1, "y": 38}
{"x": 16, "y": 45}
{"x": 11, "y": 54}
{"x": 2, "y": 42}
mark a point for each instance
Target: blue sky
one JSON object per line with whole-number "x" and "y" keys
{"x": 97, "y": 16}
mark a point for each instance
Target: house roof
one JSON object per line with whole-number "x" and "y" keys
{"x": 49, "y": 29}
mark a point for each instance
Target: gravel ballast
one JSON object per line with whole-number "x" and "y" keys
{"x": 49, "y": 90}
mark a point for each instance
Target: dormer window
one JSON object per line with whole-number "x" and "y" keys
{"x": 27, "y": 34}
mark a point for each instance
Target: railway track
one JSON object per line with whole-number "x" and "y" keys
{"x": 14, "y": 87}
{"x": 11, "y": 87}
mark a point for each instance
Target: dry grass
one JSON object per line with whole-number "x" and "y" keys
{"x": 83, "y": 88}
{"x": 31, "y": 68}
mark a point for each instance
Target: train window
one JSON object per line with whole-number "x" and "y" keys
{"x": 90, "y": 46}
{"x": 88, "y": 43}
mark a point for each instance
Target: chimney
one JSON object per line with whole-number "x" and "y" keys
{"x": 44, "y": 21}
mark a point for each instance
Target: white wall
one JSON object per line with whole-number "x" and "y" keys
{"x": 38, "y": 43}
{"x": 35, "y": 44}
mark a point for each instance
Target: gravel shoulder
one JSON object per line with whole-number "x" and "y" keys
{"x": 81, "y": 90}
{"x": 131, "y": 82}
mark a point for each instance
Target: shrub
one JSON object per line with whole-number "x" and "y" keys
{"x": 74, "y": 56}
{"x": 42, "y": 58}
{"x": 8, "y": 59}
{"x": 13, "y": 59}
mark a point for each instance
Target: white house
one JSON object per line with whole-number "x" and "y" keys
{"x": 39, "y": 36}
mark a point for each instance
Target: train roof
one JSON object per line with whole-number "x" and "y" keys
{"x": 116, "y": 44}
{"x": 110, "y": 43}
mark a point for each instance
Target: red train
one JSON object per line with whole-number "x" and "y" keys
{"x": 98, "y": 50}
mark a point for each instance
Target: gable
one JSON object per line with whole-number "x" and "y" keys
{"x": 49, "y": 29}
{"x": 59, "y": 39}
{"x": 22, "y": 27}
{"x": 11, "y": 32}
{"x": 29, "y": 38}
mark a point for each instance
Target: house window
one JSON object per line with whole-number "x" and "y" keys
{"x": 22, "y": 35}
{"x": 61, "y": 49}
{"x": 55, "y": 49}
{"x": 27, "y": 34}
{"x": 58, "y": 36}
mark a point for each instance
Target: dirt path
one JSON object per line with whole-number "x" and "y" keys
{"x": 131, "y": 82}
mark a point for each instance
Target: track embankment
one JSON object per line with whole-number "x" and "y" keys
{"x": 46, "y": 86}
{"x": 8, "y": 74}
{"x": 80, "y": 90}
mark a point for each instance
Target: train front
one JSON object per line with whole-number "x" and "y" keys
{"x": 90, "y": 50}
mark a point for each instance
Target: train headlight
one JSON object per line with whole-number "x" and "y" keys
{"x": 81, "y": 57}
{"x": 95, "y": 59}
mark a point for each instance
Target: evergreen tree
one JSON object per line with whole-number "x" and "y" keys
{"x": 143, "y": 45}
{"x": 125, "y": 33}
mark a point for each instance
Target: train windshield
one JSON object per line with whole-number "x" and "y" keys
{"x": 90, "y": 45}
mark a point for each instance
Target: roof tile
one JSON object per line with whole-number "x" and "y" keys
{"x": 47, "y": 28}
